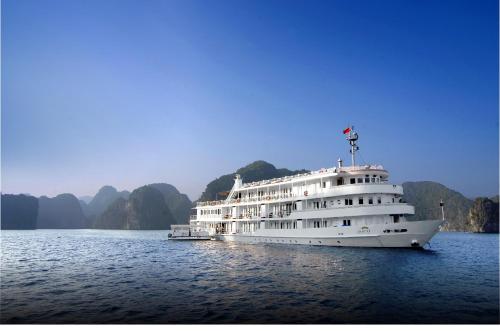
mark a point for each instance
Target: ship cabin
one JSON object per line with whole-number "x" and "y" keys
{"x": 290, "y": 202}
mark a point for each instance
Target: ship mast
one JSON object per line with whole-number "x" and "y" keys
{"x": 352, "y": 138}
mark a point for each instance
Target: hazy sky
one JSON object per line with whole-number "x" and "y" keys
{"x": 128, "y": 93}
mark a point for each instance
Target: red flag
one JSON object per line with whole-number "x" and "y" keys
{"x": 346, "y": 131}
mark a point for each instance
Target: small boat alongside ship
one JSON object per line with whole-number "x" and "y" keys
{"x": 184, "y": 232}
{"x": 341, "y": 206}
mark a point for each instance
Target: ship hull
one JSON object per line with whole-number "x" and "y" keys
{"x": 417, "y": 235}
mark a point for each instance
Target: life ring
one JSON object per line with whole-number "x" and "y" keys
{"x": 306, "y": 193}
{"x": 268, "y": 198}
{"x": 238, "y": 200}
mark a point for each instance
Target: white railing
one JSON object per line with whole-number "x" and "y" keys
{"x": 305, "y": 194}
{"x": 210, "y": 203}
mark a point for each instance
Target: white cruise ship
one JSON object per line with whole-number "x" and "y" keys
{"x": 341, "y": 206}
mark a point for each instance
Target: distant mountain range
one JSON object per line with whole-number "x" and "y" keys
{"x": 60, "y": 212}
{"x": 145, "y": 209}
{"x": 151, "y": 207}
{"x": 157, "y": 206}
{"x": 425, "y": 196}
{"x": 19, "y": 212}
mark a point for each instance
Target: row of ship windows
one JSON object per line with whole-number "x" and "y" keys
{"x": 281, "y": 225}
{"x": 324, "y": 224}
{"x": 210, "y": 212}
{"x": 349, "y": 202}
{"x": 358, "y": 180}
{"x": 315, "y": 224}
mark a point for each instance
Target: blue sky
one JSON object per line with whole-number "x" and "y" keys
{"x": 134, "y": 92}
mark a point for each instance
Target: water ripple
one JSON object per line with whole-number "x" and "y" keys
{"x": 91, "y": 276}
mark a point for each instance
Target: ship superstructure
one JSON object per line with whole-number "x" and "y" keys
{"x": 341, "y": 206}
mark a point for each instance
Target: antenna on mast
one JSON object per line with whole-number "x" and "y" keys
{"x": 352, "y": 137}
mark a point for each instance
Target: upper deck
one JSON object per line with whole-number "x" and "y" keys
{"x": 282, "y": 187}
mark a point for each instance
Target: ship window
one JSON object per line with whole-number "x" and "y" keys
{"x": 360, "y": 201}
{"x": 346, "y": 223}
{"x": 379, "y": 200}
{"x": 340, "y": 181}
{"x": 396, "y": 218}
{"x": 370, "y": 201}
{"x": 324, "y": 184}
{"x": 373, "y": 180}
{"x": 367, "y": 180}
{"x": 360, "y": 180}
{"x": 324, "y": 204}
{"x": 404, "y": 230}
{"x": 353, "y": 180}
{"x": 348, "y": 202}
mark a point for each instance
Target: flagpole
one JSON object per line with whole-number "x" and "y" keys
{"x": 353, "y": 159}
{"x": 352, "y": 138}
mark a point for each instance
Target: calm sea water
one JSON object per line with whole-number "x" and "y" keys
{"x": 94, "y": 276}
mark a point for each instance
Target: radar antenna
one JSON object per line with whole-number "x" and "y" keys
{"x": 352, "y": 137}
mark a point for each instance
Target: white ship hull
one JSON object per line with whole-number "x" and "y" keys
{"x": 418, "y": 234}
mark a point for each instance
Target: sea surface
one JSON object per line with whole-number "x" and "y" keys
{"x": 99, "y": 276}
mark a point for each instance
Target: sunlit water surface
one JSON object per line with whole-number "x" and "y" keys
{"x": 97, "y": 276}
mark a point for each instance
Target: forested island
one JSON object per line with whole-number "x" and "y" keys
{"x": 157, "y": 206}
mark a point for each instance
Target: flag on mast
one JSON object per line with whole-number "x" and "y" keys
{"x": 346, "y": 131}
